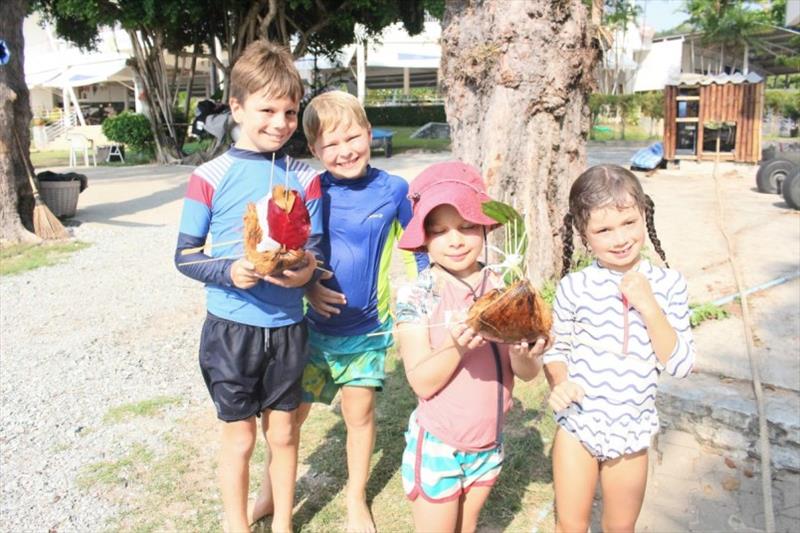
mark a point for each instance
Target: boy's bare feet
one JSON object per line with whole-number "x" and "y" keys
{"x": 259, "y": 508}
{"x": 359, "y": 519}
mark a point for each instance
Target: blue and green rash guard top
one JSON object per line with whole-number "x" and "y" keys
{"x": 362, "y": 219}
{"x": 215, "y": 203}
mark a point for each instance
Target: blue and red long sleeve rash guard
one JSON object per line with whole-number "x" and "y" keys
{"x": 215, "y": 204}
{"x": 362, "y": 220}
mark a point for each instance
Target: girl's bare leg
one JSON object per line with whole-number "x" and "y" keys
{"x": 439, "y": 517}
{"x": 575, "y": 473}
{"x": 623, "y": 480}
{"x": 471, "y": 505}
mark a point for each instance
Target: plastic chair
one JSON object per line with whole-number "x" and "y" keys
{"x": 80, "y": 143}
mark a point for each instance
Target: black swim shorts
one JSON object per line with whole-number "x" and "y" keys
{"x": 248, "y": 369}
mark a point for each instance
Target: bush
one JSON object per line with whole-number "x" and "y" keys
{"x": 783, "y": 102}
{"x": 405, "y": 115}
{"x": 131, "y": 129}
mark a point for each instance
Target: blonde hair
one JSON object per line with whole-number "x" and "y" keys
{"x": 266, "y": 67}
{"x": 330, "y": 110}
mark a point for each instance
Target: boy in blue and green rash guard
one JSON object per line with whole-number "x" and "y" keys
{"x": 364, "y": 211}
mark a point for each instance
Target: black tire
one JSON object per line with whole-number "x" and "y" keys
{"x": 771, "y": 172}
{"x": 790, "y": 189}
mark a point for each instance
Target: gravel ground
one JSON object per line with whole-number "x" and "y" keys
{"x": 115, "y": 324}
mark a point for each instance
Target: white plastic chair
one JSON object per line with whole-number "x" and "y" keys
{"x": 80, "y": 143}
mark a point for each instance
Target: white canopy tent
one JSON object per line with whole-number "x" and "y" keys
{"x": 418, "y": 56}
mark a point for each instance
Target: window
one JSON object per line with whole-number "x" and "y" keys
{"x": 725, "y": 131}
{"x": 686, "y": 141}
{"x": 688, "y": 109}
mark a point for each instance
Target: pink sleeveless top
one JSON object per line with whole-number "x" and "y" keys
{"x": 464, "y": 412}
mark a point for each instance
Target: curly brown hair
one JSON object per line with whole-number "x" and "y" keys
{"x": 601, "y": 186}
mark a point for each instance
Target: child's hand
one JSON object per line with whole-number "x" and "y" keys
{"x": 523, "y": 349}
{"x": 564, "y": 394}
{"x": 636, "y": 288}
{"x": 465, "y": 338}
{"x": 243, "y": 274}
{"x": 322, "y": 299}
{"x": 291, "y": 279}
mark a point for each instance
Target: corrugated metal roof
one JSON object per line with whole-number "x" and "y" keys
{"x": 719, "y": 79}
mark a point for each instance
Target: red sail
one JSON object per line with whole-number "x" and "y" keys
{"x": 287, "y": 218}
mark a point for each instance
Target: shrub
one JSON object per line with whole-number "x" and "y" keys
{"x": 131, "y": 129}
{"x": 783, "y": 102}
{"x": 405, "y": 115}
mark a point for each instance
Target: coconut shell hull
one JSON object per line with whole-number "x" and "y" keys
{"x": 511, "y": 315}
{"x": 271, "y": 262}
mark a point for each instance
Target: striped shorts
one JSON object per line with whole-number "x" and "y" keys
{"x": 439, "y": 472}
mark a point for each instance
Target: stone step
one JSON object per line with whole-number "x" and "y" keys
{"x": 722, "y": 412}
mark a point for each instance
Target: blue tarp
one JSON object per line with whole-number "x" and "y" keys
{"x": 648, "y": 158}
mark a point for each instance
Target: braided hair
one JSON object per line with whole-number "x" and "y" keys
{"x": 649, "y": 210}
{"x": 566, "y": 240}
{"x": 599, "y": 186}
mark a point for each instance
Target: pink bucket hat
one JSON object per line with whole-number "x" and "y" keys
{"x": 452, "y": 182}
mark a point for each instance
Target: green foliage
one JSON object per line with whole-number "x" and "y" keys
{"x": 728, "y": 23}
{"x": 416, "y": 95}
{"x": 515, "y": 242}
{"x": 626, "y": 106}
{"x": 23, "y": 257}
{"x": 783, "y": 102}
{"x": 652, "y": 104}
{"x": 707, "y": 311}
{"x": 131, "y": 129}
{"x": 406, "y": 115}
{"x": 618, "y": 13}
{"x": 548, "y": 291}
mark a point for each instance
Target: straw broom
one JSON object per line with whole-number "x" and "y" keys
{"x": 45, "y": 224}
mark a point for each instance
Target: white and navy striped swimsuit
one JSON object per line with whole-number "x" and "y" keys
{"x": 607, "y": 350}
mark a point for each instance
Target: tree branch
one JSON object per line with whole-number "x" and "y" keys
{"x": 268, "y": 18}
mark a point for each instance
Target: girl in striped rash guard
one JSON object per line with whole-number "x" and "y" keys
{"x": 617, "y": 324}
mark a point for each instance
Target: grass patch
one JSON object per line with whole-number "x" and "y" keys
{"x": 402, "y": 141}
{"x": 60, "y": 158}
{"x": 148, "y": 407}
{"x": 707, "y": 311}
{"x": 50, "y": 158}
{"x": 176, "y": 490}
{"x": 23, "y": 257}
{"x": 613, "y": 132}
{"x": 116, "y": 472}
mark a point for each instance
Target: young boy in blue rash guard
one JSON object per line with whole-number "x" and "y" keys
{"x": 253, "y": 347}
{"x": 364, "y": 211}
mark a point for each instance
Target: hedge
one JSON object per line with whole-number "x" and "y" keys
{"x": 405, "y": 115}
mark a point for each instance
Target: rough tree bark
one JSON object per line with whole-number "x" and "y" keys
{"x": 516, "y": 78}
{"x": 16, "y": 196}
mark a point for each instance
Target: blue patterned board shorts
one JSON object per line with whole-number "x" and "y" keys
{"x": 355, "y": 361}
{"x": 439, "y": 472}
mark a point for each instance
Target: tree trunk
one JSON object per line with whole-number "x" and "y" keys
{"x": 150, "y": 67}
{"x": 16, "y": 196}
{"x": 516, "y": 78}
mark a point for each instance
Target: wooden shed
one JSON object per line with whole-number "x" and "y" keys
{"x": 698, "y": 109}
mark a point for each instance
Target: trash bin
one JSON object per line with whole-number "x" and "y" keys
{"x": 60, "y": 191}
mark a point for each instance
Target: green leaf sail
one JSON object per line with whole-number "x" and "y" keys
{"x": 515, "y": 243}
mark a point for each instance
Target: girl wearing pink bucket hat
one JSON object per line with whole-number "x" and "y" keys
{"x": 463, "y": 383}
